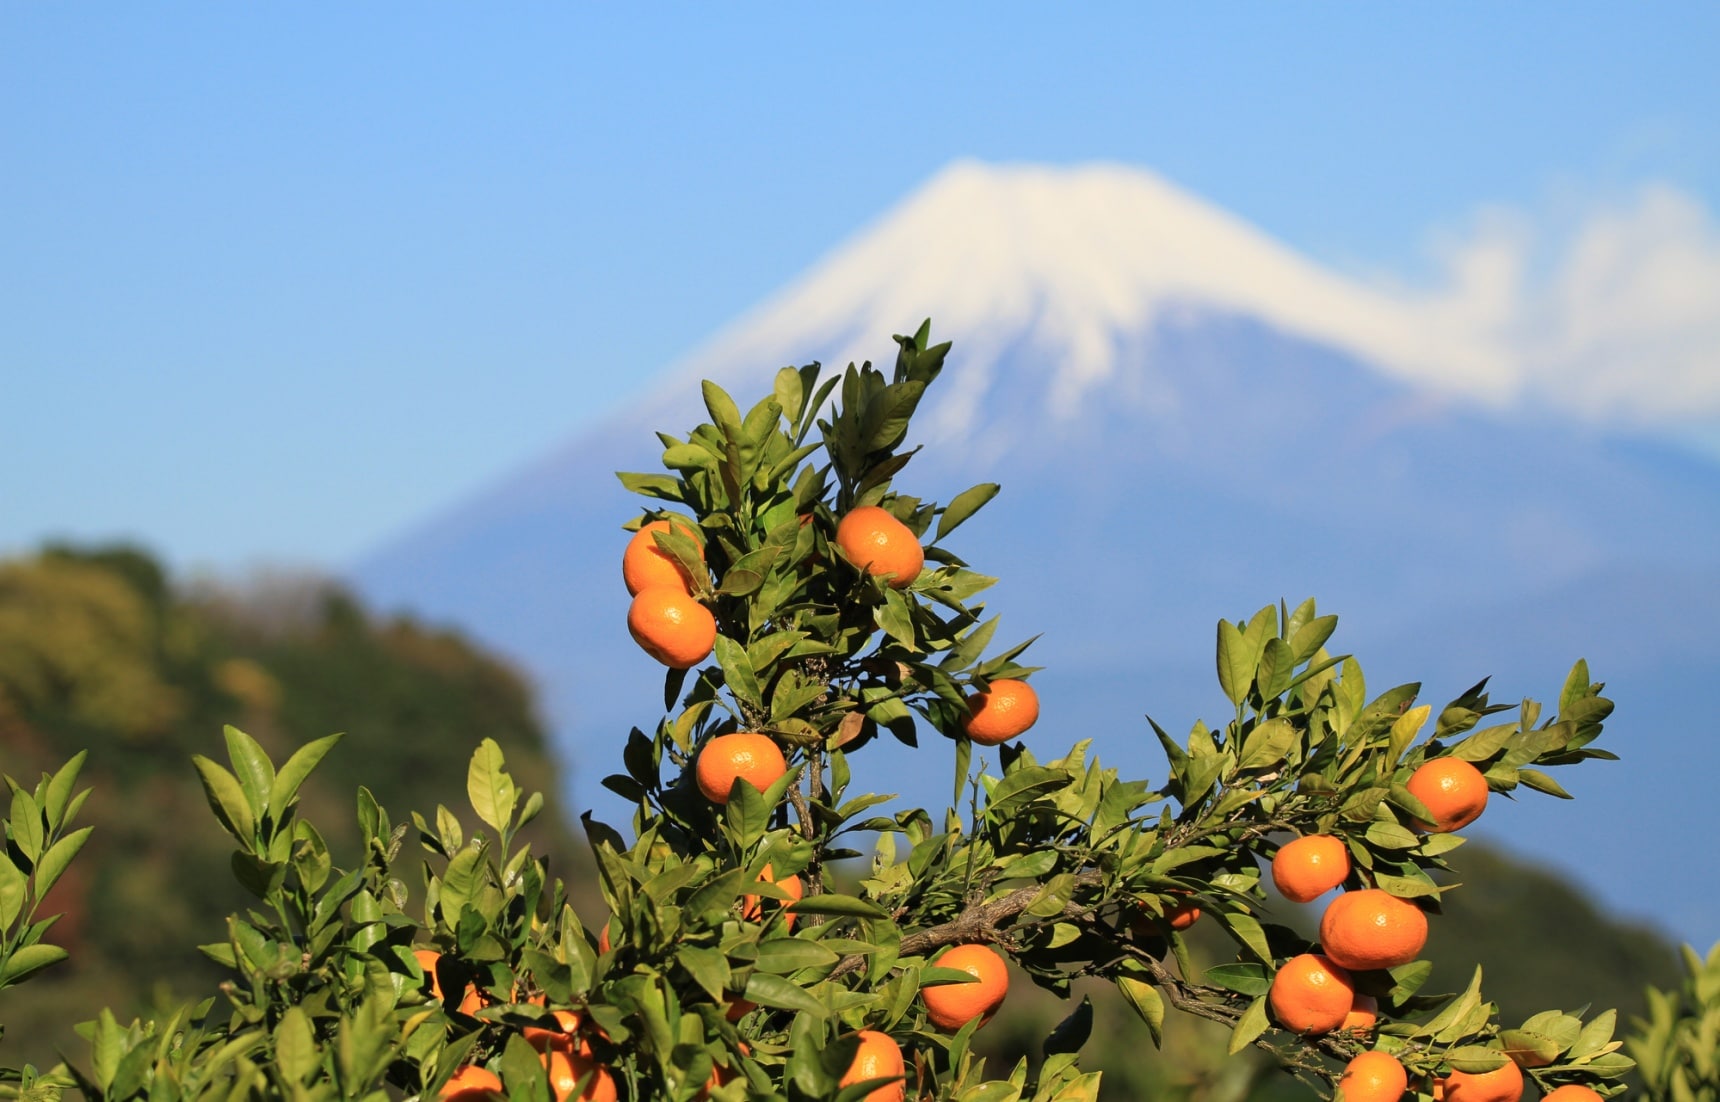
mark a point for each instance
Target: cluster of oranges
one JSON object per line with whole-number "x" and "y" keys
{"x": 666, "y": 619}
{"x": 1368, "y": 930}
{"x": 566, "y": 1054}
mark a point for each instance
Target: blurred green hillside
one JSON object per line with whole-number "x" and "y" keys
{"x": 100, "y": 651}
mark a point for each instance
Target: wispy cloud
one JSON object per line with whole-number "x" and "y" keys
{"x": 1614, "y": 315}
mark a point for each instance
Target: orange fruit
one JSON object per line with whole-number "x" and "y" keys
{"x": 567, "y": 1069}
{"x": 721, "y": 1074}
{"x": 1363, "y": 1016}
{"x": 673, "y": 628}
{"x": 951, "y": 1006}
{"x": 1182, "y": 917}
{"x": 603, "y": 945}
{"x": 470, "y": 1003}
{"x": 645, "y": 565}
{"x": 1309, "y": 867}
{"x": 1373, "y": 1077}
{"x": 739, "y": 1008}
{"x": 1503, "y": 1084}
{"x": 744, "y": 755}
{"x": 564, "y": 1038}
{"x": 1372, "y": 929}
{"x": 471, "y": 1083}
{"x": 878, "y": 1055}
{"x": 879, "y": 544}
{"x": 750, "y": 909}
{"x": 1310, "y": 994}
{"x": 1453, "y": 790}
{"x": 1004, "y": 710}
{"x": 1572, "y": 1092}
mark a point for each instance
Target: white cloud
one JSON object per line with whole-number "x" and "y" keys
{"x": 1617, "y": 318}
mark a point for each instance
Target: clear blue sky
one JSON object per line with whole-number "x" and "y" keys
{"x": 279, "y": 280}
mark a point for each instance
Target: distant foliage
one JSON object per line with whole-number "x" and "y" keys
{"x": 1677, "y": 1048}
{"x": 98, "y": 649}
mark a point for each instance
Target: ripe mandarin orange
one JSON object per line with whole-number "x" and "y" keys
{"x": 1310, "y": 866}
{"x": 1453, "y": 790}
{"x": 1310, "y": 994}
{"x": 1373, "y": 1077}
{"x": 952, "y": 1005}
{"x": 567, "y": 1069}
{"x": 878, "y": 1055}
{"x": 471, "y": 1083}
{"x": 750, "y": 909}
{"x": 470, "y": 1003}
{"x": 1503, "y": 1084}
{"x": 673, "y": 628}
{"x": 1572, "y": 1092}
{"x": 879, "y": 544}
{"x": 721, "y": 1074}
{"x": 1372, "y": 929}
{"x": 1363, "y": 1016}
{"x": 564, "y": 1037}
{"x": 1004, "y": 710}
{"x": 745, "y": 755}
{"x": 644, "y": 564}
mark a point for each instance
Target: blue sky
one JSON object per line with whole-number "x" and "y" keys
{"x": 280, "y": 281}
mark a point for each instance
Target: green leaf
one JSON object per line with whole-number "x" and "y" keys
{"x": 1311, "y": 636}
{"x": 1529, "y": 1048}
{"x": 785, "y": 955}
{"x": 1476, "y": 1058}
{"x": 708, "y": 967}
{"x": 833, "y": 903}
{"x": 59, "y": 855}
{"x": 896, "y": 619}
{"x": 1248, "y": 932}
{"x": 1022, "y": 787}
{"x": 1576, "y": 687}
{"x": 1277, "y": 667}
{"x": 1540, "y": 782}
{"x": 1250, "y": 1026}
{"x": 1596, "y": 1035}
{"x": 774, "y": 991}
{"x": 1268, "y": 744}
{"x": 286, "y": 785}
{"x": 227, "y": 800}
{"x": 1147, "y": 1002}
{"x": 26, "y": 823}
{"x": 1245, "y": 979}
{"x": 28, "y": 960}
{"x": 296, "y": 1052}
{"x": 660, "y": 486}
{"x": 489, "y": 787}
{"x": 1235, "y": 663}
{"x": 965, "y": 505}
{"x": 724, "y": 413}
{"x": 738, "y": 673}
{"x": 460, "y": 881}
{"x": 14, "y": 885}
{"x": 59, "y": 791}
{"x": 251, "y": 765}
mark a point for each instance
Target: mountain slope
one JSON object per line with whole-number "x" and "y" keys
{"x": 1188, "y": 421}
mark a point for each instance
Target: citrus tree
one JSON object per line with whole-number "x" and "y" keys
{"x": 772, "y": 932}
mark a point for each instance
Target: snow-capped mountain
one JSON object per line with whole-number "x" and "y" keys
{"x": 1189, "y": 421}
